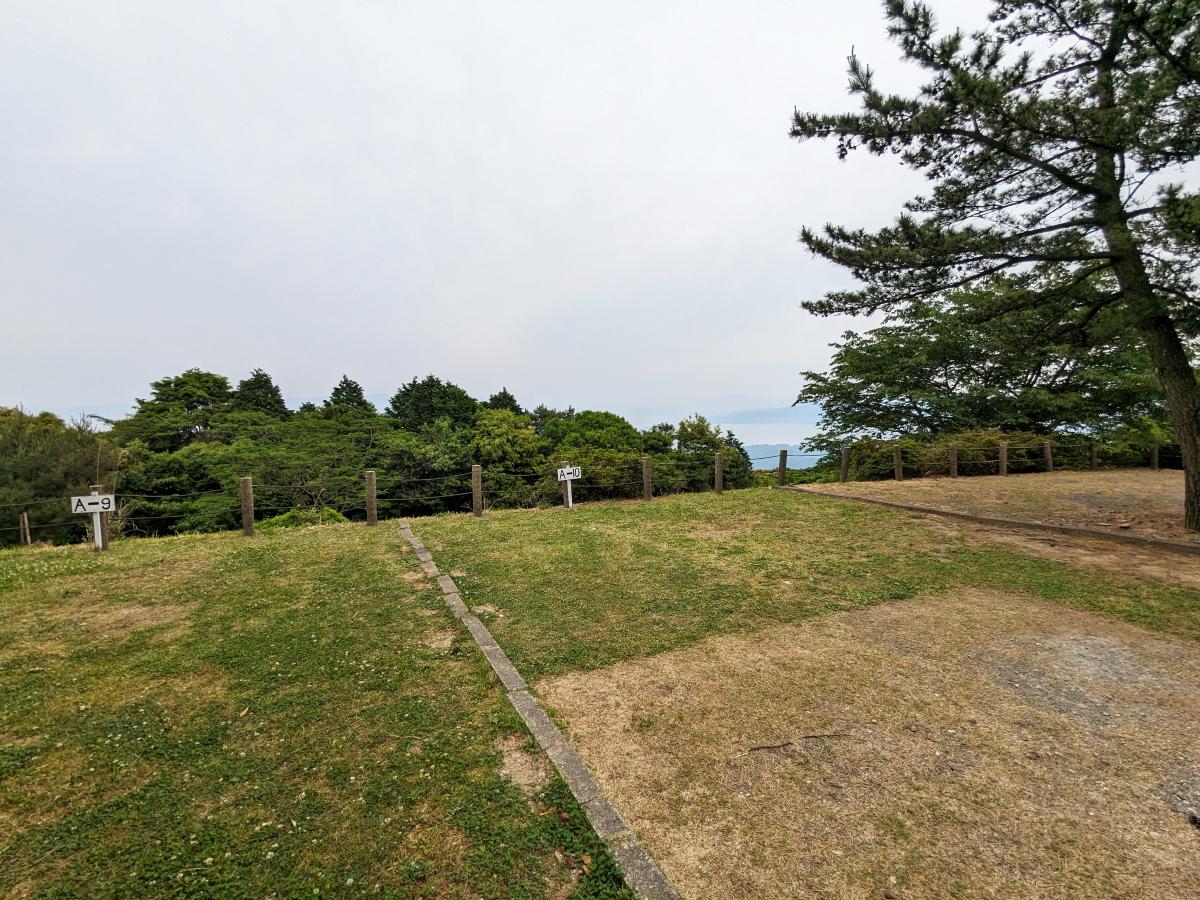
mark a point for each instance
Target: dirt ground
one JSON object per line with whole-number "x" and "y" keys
{"x": 980, "y": 744}
{"x": 1130, "y": 501}
{"x": 1082, "y": 553}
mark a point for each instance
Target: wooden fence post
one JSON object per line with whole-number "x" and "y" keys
{"x": 953, "y": 462}
{"x": 898, "y": 463}
{"x": 647, "y": 484}
{"x": 1154, "y": 457}
{"x": 477, "y": 491}
{"x": 26, "y": 540}
{"x": 719, "y": 471}
{"x": 844, "y": 475}
{"x": 99, "y": 489}
{"x": 1004, "y": 457}
{"x": 372, "y": 509}
{"x": 1092, "y": 455}
{"x": 1048, "y": 453}
{"x": 246, "y": 486}
{"x": 783, "y": 467}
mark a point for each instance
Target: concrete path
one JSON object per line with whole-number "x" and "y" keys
{"x": 642, "y": 873}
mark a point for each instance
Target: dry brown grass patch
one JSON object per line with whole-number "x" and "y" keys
{"x": 978, "y": 744}
{"x": 439, "y": 640}
{"x": 527, "y": 769}
{"x": 61, "y": 783}
{"x": 1082, "y": 553}
{"x": 112, "y": 621}
{"x": 1128, "y": 501}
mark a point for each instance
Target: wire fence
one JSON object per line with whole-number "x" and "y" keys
{"x": 314, "y": 496}
{"x": 867, "y": 461}
{"x": 325, "y": 496}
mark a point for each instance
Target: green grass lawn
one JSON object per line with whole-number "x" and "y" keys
{"x": 605, "y": 582}
{"x": 289, "y": 715}
{"x": 297, "y": 713}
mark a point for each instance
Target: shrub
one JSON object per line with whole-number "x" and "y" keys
{"x": 300, "y": 518}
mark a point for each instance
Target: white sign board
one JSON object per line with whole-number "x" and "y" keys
{"x": 93, "y": 503}
{"x": 569, "y": 474}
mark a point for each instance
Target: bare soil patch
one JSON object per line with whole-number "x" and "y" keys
{"x": 526, "y": 768}
{"x": 439, "y": 640}
{"x": 977, "y": 744}
{"x": 1082, "y": 553}
{"x": 1126, "y": 501}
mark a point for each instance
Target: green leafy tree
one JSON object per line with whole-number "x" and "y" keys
{"x": 659, "y": 438}
{"x": 696, "y": 435}
{"x": 503, "y": 399}
{"x": 592, "y": 428}
{"x": 543, "y": 415}
{"x": 258, "y": 393}
{"x": 504, "y": 439}
{"x": 1044, "y": 137}
{"x": 348, "y": 396}
{"x": 421, "y": 402}
{"x": 43, "y": 457}
{"x": 181, "y": 409}
{"x": 939, "y": 369}
{"x": 506, "y": 445}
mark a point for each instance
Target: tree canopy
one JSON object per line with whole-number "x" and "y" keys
{"x": 939, "y": 369}
{"x": 1049, "y": 139}
{"x": 176, "y": 460}
{"x": 347, "y": 396}
{"x": 258, "y": 393}
{"x": 421, "y": 402}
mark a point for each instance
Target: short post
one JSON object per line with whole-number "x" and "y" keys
{"x": 953, "y": 462}
{"x": 1154, "y": 457}
{"x": 372, "y": 509}
{"x": 566, "y": 486}
{"x": 100, "y": 522}
{"x": 25, "y": 538}
{"x": 647, "y": 484}
{"x": 844, "y": 475}
{"x": 1092, "y": 456}
{"x": 1004, "y": 457}
{"x": 1048, "y": 453}
{"x": 898, "y": 463}
{"x": 783, "y": 467}
{"x": 247, "y": 490}
{"x": 477, "y": 491}
{"x": 719, "y": 472}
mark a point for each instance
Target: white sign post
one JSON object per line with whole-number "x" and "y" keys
{"x": 94, "y": 503}
{"x": 569, "y": 474}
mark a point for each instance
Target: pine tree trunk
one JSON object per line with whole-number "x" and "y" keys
{"x": 1183, "y": 400}
{"x": 1167, "y": 354}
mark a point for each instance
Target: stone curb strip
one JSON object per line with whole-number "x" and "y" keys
{"x": 1000, "y": 522}
{"x": 642, "y": 873}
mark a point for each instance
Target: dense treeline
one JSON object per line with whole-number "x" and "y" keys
{"x": 176, "y": 460}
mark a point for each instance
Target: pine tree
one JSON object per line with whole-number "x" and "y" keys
{"x": 258, "y": 393}
{"x": 504, "y": 399}
{"x": 348, "y": 396}
{"x": 1048, "y": 138}
{"x": 423, "y": 402}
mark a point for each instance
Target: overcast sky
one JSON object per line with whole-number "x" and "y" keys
{"x": 595, "y": 205}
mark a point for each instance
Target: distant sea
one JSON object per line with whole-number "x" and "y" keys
{"x": 795, "y": 460}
